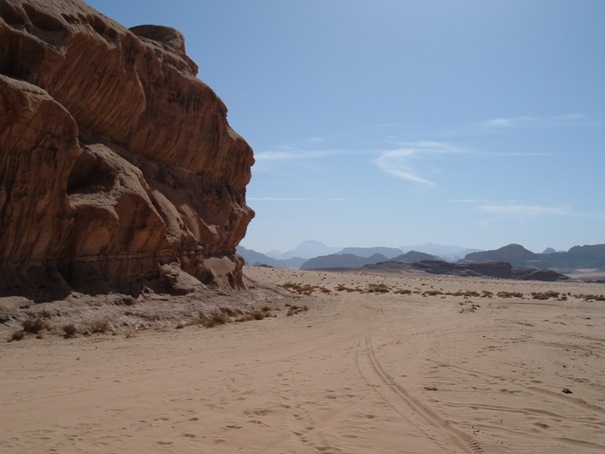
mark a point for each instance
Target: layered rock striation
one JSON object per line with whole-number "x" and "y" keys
{"x": 114, "y": 158}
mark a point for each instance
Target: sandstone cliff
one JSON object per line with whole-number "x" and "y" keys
{"x": 114, "y": 158}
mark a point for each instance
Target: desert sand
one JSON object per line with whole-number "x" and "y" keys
{"x": 440, "y": 367}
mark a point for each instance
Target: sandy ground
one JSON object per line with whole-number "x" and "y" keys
{"x": 435, "y": 370}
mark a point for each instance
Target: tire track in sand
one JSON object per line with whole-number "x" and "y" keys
{"x": 462, "y": 440}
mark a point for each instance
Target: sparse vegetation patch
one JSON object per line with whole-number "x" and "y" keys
{"x": 34, "y": 325}
{"x": 304, "y": 289}
{"x": 293, "y": 309}
{"x": 344, "y": 288}
{"x": 378, "y": 288}
{"x": 509, "y": 295}
{"x": 591, "y": 297}
{"x": 545, "y": 295}
{"x": 17, "y": 336}
{"x": 70, "y": 330}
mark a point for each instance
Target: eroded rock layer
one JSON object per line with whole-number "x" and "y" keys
{"x": 114, "y": 158}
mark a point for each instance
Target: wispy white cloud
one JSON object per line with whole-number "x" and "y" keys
{"x": 470, "y": 201}
{"x": 527, "y": 210}
{"x": 399, "y": 162}
{"x": 498, "y": 123}
{"x": 528, "y": 120}
{"x": 521, "y": 212}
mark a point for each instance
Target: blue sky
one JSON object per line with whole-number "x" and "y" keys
{"x": 475, "y": 123}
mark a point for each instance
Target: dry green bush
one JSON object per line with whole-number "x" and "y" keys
{"x": 98, "y": 327}
{"x": 468, "y": 306}
{"x": 509, "y": 295}
{"x": 432, "y": 293}
{"x": 17, "y": 336}
{"x": 544, "y": 295}
{"x": 258, "y": 315}
{"x": 591, "y": 297}
{"x": 378, "y": 288}
{"x": 70, "y": 330}
{"x": 229, "y": 312}
{"x": 293, "y": 309}
{"x": 217, "y": 318}
{"x": 298, "y": 288}
{"x": 305, "y": 289}
{"x": 340, "y": 288}
{"x": 34, "y": 325}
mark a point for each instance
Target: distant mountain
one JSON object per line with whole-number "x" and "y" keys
{"x": 341, "y": 261}
{"x": 596, "y": 251}
{"x": 413, "y": 256}
{"x": 388, "y": 252}
{"x": 307, "y": 249}
{"x": 515, "y": 254}
{"x": 589, "y": 256}
{"x": 447, "y": 252}
{"x": 256, "y": 258}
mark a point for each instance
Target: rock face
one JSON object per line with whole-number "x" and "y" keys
{"x": 114, "y": 158}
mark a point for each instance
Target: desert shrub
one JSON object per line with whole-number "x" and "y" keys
{"x": 378, "y": 288}
{"x": 17, "y": 336}
{"x": 293, "y": 310}
{"x": 98, "y": 327}
{"x": 308, "y": 289}
{"x": 228, "y": 311}
{"x": 70, "y": 330}
{"x": 33, "y": 325}
{"x": 486, "y": 294}
{"x": 220, "y": 318}
{"x": 403, "y": 292}
{"x": 544, "y": 295}
{"x": 128, "y": 301}
{"x": 257, "y": 315}
{"x": 203, "y": 320}
{"x": 432, "y": 292}
{"x": 509, "y": 295}
{"x": 591, "y": 297}
{"x": 217, "y": 318}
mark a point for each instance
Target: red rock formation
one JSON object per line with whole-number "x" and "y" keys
{"x": 114, "y": 158}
